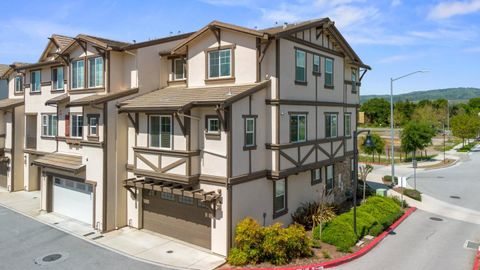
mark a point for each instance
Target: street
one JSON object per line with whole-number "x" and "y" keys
{"x": 25, "y": 242}
{"x": 425, "y": 244}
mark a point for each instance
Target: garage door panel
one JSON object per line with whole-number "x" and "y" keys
{"x": 187, "y": 222}
{"x": 73, "y": 199}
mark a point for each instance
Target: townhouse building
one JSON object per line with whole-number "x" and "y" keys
{"x": 247, "y": 123}
{"x": 11, "y": 128}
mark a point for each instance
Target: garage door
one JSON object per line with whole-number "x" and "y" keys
{"x": 179, "y": 217}
{"x": 73, "y": 199}
{"x": 3, "y": 174}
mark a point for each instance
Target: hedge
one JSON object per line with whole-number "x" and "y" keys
{"x": 373, "y": 217}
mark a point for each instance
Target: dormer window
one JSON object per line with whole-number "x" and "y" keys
{"x": 179, "y": 69}
{"x": 220, "y": 63}
{"x": 95, "y": 72}
{"x": 18, "y": 84}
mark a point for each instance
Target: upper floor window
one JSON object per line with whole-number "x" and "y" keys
{"x": 330, "y": 178}
{"x": 316, "y": 64}
{"x": 95, "y": 72}
{"x": 18, "y": 84}
{"x": 250, "y": 132}
{"x": 93, "y": 125}
{"x": 179, "y": 69}
{"x": 298, "y": 127}
{"x": 347, "y": 122}
{"x": 220, "y": 63}
{"x": 35, "y": 81}
{"x": 213, "y": 124}
{"x": 354, "y": 80}
{"x": 57, "y": 78}
{"x": 49, "y": 125}
{"x": 331, "y": 126}
{"x": 76, "y": 127}
{"x": 300, "y": 66}
{"x": 78, "y": 74}
{"x": 160, "y": 131}
{"x": 328, "y": 72}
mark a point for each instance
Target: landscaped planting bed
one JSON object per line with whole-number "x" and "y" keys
{"x": 411, "y": 193}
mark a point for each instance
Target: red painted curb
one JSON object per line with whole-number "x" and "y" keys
{"x": 352, "y": 256}
{"x": 476, "y": 263}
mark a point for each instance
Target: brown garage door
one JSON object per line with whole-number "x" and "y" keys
{"x": 3, "y": 174}
{"x": 178, "y": 217}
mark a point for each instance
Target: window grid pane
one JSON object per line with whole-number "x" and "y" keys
{"x": 154, "y": 131}
{"x": 300, "y": 66}
{"x": 165, "y": 131}
{"x": 214, "y": 64}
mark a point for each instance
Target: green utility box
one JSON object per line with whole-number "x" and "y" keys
{"x": 381, "y": 192}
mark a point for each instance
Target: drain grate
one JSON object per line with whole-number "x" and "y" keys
{"x": 455, "y": 197}
{"x": 51, "y": 258}
{"x": 88, "y": 234}
{"x": 472, "y": 245}
{"x": 169, "y": 251}
{"x": 97, "y": 237}
{"x": 436, "y": 219}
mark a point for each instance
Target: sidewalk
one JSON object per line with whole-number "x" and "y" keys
{"x": 141, "y": 245}
{"x": 428, "y": 203}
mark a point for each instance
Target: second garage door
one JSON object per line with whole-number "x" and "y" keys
{"x": 3, "y": 174}
{"x": 179, "y": 217}
{"x": 73, "y": 199}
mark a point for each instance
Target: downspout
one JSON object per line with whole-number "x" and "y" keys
{"x": 12, "y": 167}
{"x": 105, "y": 163}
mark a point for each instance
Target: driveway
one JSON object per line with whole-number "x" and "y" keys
{"x": 420, "y": 243}
{"x": 25, "y": 241}
{"x": 458, "y": 185}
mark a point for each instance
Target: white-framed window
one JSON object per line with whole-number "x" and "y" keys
{"x": 220, "y": 63}
{"x": 213, "y": 124}
{"x": 354, "y": 80}
{"x": 329, "y": 72}
{"x": 300, "y": 66}
{"x": 35, "y": 81}
{"x": 93, "y": 125}
{"x": 49, "y": 125}
{"x": 95, "y": 72}
{"x": 330, "y": 178}
{"x": 58, "y": 82}
{"x": 331, "y": 126}
{"x": 316, "y": 176}
{"x": 250, "y": 132}
{"x": 316, "y": 64}
{"x": 298, "y": 127}
{"x": 280, "y": 199}
{"x": 179, "y": 68}
{"x": 76, "y": 125}
{"x": 347, "y": 122}
{"x": 78, "y": 74}
{"x": 160, "y": 131}
{"x": 18, "y": 84}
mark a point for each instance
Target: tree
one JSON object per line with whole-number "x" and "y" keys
{"x": 430, "y": 114}
{"x": 403, "y": 111}
{"x": 465, "y": 126}
{"x": 377, "y": 111}
{"x": 416, "y": 136}
{"x": 377, "y": 148}
{"x": 365, "y": 170}
{"x": 474, "y": 103}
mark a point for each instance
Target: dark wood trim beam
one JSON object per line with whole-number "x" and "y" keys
{"x": 172, "y": 153}
{"x": 309, "y": 103}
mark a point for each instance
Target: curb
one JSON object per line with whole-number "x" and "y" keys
{"x": 476, "y": 263}
{"x": 352, "y": 256}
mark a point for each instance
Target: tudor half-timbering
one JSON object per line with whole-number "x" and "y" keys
{"x": 249, "y": 123}
{"x": 12, "y": 129}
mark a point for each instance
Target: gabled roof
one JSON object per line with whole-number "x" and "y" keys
{"x": 38, "y": 64}
{"x": 58, "y": 41}
{"x": 182, "y": 98}
{"x": 156, "y": 41}
{"x": 104, "y": 43}
{"x": 293, "y": 27}
{"x": 10, "y": 69}
{"x": 99, "y": 99}
{"x": 217, "y": 24}
{"x": 3, "y": 69}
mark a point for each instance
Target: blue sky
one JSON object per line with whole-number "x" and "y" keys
{"x": 393, "y": 36}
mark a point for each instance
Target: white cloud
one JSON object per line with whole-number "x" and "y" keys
{"x": 441, "y": 33}
{"x": 397, "y": 58}
{"x": 445, "y": 10}
{"x": 395, "y": 3}
{"x": 472, "y": 50}
{"x": 228, "y": 2}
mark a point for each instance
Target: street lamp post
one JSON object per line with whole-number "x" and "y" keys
{"x": 369, "y": 143}
{"x": 392, "y": 132}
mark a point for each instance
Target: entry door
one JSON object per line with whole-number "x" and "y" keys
{"x": 73, "y": 199}
{"x": 3, "y": 174}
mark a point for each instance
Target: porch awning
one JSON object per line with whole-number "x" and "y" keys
{"x": 9, "y": 103}
{"x": 99, "y": 99}
{"x": 60, "y": 161}
{"x": 58, "y": 99}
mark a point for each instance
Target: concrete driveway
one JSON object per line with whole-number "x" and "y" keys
{"x": 421, "y": 243}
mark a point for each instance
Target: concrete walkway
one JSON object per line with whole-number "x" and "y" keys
{"x": 428, "y": 203}
{"x": 141, "y": 245}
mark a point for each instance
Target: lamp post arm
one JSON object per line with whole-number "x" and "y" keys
{"x": 406, "y": 75}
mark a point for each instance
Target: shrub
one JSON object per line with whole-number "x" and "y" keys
{"x": 338, "y": 233}
{"x": 309, "y": 213}
{"x": 388, "y": 179}
{"x": 326, "y": 255}
{"x": 397, "y": 200}
{"x": 412, "y": 193}
{"x": 275, "y": 244}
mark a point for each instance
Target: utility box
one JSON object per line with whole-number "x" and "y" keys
{"x": 381, "y": 192}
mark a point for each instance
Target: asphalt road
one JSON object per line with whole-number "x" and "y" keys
{"x": 420, "y": 243}
{"x": 24, "y": 240}
{"x": 462, "y": 180}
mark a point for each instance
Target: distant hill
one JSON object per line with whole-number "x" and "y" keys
{"x": 460, "y": 94}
